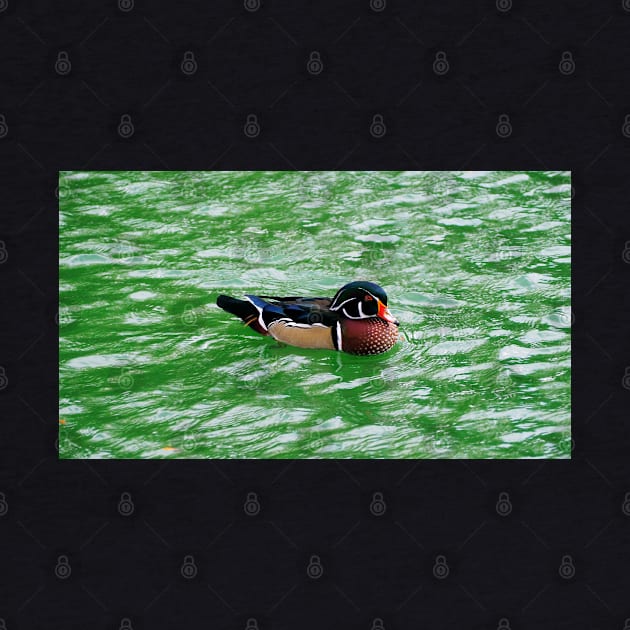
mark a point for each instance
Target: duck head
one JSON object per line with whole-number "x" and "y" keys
{"x": 362, "y": 300}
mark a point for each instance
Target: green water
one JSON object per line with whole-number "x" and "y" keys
{"x": 477, "y": 270}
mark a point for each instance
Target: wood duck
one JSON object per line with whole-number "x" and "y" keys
{"x": 356, "y": 320}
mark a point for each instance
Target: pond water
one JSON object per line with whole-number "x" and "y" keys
{"x": 476, "y": 266}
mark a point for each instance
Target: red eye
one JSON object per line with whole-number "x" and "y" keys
{"x": 368, "y": 298}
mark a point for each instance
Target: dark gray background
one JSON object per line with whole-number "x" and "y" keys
{"x": 125, "y": 564}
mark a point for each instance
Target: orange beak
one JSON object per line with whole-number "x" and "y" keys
{"x": 383, "y": 313}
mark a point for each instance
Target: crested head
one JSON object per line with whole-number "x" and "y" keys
{"x": 361, "y": 300}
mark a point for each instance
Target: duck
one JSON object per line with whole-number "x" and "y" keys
{"x": 356, "y": 320}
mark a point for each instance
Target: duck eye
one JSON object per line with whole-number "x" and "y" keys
{"x": 368, "y": 298}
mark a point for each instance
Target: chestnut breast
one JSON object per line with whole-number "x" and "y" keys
{"x": 367, "y": 336}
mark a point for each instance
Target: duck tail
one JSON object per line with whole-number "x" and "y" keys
{"x": 243, "y": 309}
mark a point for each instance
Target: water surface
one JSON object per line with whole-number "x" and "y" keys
{"x": 476, "y": 266}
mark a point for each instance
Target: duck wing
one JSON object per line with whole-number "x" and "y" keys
{"x": 301, "y": 310}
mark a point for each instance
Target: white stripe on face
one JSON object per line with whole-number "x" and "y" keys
{"x": 336, "y": 308}
{"x": 353, "y": 317}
